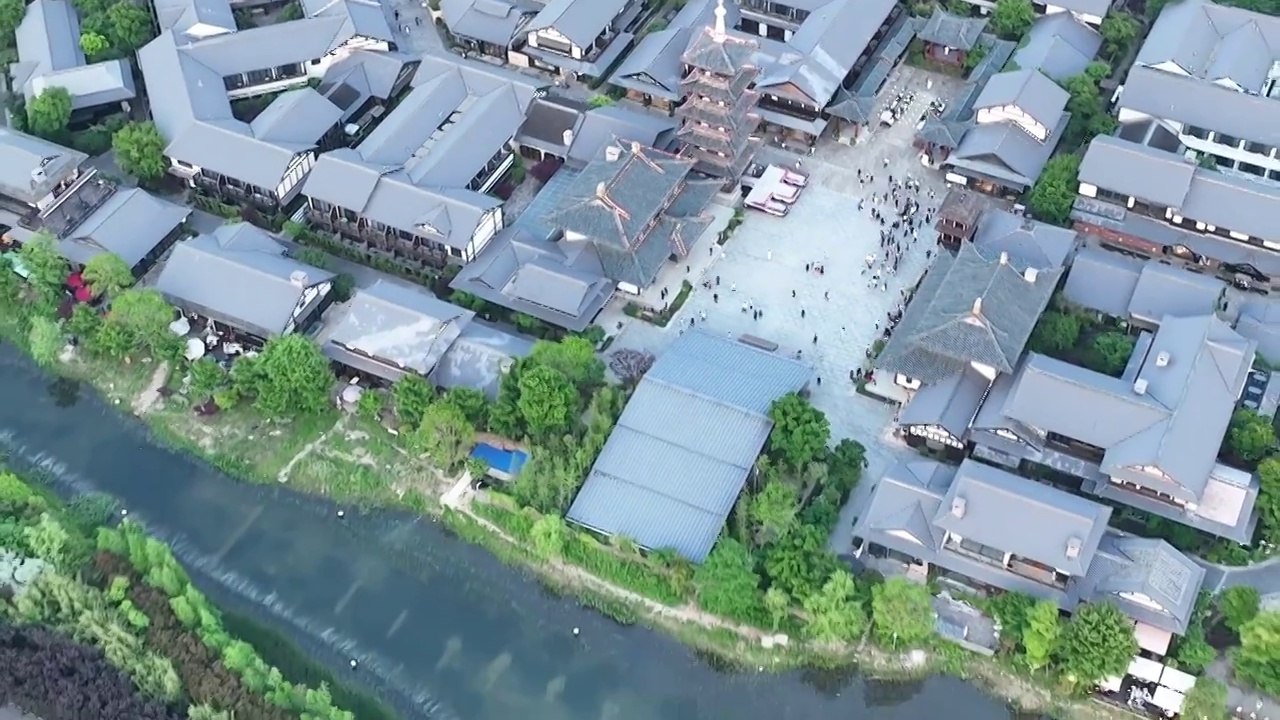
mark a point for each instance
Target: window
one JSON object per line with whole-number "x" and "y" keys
{"x": 1252, "y": 169}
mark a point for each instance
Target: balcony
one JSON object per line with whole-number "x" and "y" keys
{"x": 1037, "y": 572}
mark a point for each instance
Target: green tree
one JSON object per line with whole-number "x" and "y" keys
{"x": 1097, "y": 71}
{"x": 140, "y": 151}
{"x": 1238, "y": 605}
{"x": 293, "y": 378}
{"x": 46, "y": 340}
{"x": 92, "y": 44}
{"x": 1118, "y": 32}
{"x": 1055, "y": 190}
{"x": 1257, "y": 661}
{"x": 726, "y": 581}
{"x": 130, "y": 25}
{"x": 1268, "y": 503}
{"x": 445, "y": 436}
{"x": 1109, "y": 353}
{"x": 901, "y": 612}
{"x": 107, "y": 274}
{"x": 1250, "y": 436}
{"x": 11, "y": 13}
{"x": 548, "y": 534}
{"x": 1193, "y": 652}
{"x": 1207, "y": 700}
{"x": 207, "y": 377}
{"x": 599, "y": 101}
{"x": 1012, "y": 18}
{"x": 313, "y": 257}
{"x": 1040, "y": 634}
{"x": 83, "y": 323}
{"x": 1055, "y": 333}
{"x": 799, "y": 562}
{"x": 574, "y": 357}
{"x": 773, "y": 511}
{"x": 143, "y": 316}
{"x": 834, "y": 612}
{"x": 800, "y": 431}
{"x": 473, "y": 404}
{"x": 1011, "y": 610}
{"x": 845, "y": 464}
{"x": 1097, "y": 643}
{"x": 47, "y": 270}
{"x": 370, "y": 405}
{"x": 49, "y": 112}
{"x": 548, "y": 402}
{"x": 411, "y": 396}
{"x": 778, "y": 604}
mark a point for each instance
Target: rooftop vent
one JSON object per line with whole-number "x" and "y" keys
{"x": 1073, "y": 548}
{"x": 977, "y": 306}
{"x": 1140, "y": 386}
{"x": 567, "y": 137}
{"x": 37, "y": 175}
{"x": 1030, "y": 274}
{"x": 957, "y": 507}
{"x": 1004, "y": 258}
{"x": 1162, "y": 359}
{"x": 612, "y": 153}
{"x": 298, "y": 278}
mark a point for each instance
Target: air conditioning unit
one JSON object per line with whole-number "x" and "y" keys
{"x": 1162, "y": 359}
{"x": 957, "y": 507}
{"x": 1073, "y": 548}
{"x": 1140, "y": 386}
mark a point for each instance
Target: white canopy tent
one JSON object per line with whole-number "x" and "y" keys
{"x": 1145, "y": 669}
{"x": 1170, "y": 701}
{"x": 1175, "y": 679}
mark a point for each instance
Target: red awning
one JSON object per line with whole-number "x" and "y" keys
{"x": 83, "y": 294}
{"x": 75, "y": 280}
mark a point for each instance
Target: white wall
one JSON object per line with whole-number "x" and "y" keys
{"x": 1014, "y": 114}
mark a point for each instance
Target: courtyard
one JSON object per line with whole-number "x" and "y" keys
{"x": 765, "y": 261}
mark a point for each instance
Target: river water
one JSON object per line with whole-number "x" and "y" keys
{"x": 440, "y": 629}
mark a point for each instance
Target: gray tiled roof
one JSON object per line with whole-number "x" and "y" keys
{"x": 1204, "y": 104}
{"x": 1103, "y": 280}
{"x": 1029, "y": 91}
{"x": 491, "y": 21}
{"x": 655, "y": 65}
{"x": 49, "y": 55}
{"x": 412, "y": 171}
{"x": 195, "y": 18}
{"x": 130, "y": 224}
{"x": 31, "y": 167}
{"x": 912, "y": 501}
{"x": 1213, "y": 42}
{"x": 1004, "y": 152}
{"x": 947, "y": 130}
{"x": 722, "y": 55}
{"x": 1176, "y": 424}
{"x": 539, "y": 278}
{"x": 1167, "y": 290}
{"x": 549, "y": 122}
{"x": 680, "y": 454}
{"x": 404, "y": 329}
{"x": 1236, "y": 201}
{"x": 603, "y": 125}
{"x": 1028, "y": 243}
{"x": 580, "y": 21}
{"x": 857, "y": 102}
{"x": 479, "y": 359}
{"x": 239, "y": 275}
{"x": 952, "y": 31}
{"x": 1260, "y": 321}
{"x": 1145, "y": 567}
{"x": 191, "y": 109}
{"x": 1096, "y": 8}
{"x": 1059, "y": 46}
{"x": 1048, "y": 519}
{"x": 941, "y": 334}
{"x": 950, "y": 404}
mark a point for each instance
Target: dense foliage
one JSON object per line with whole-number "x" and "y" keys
{"x": 56, "y": 678}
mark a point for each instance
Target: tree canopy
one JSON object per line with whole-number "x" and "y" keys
{"x": 292, "y": 378}
{"x": 1055, "y": 190}
{"x": 799, "y": 562}
{"x": 1055, "y": 333}
{"x": 548, "y": 401}
{"x": 130, "y": 25}
{"x": 901, "y": 612}
{"x": 1258, "y": 658}
{"x": 773, "y": 511}
{"x": 800, "y": 431}
{"x": 45, "y": 340}
{"x": 49, "y": 112}
{"x": 139, "y": 318}
{"x": 107, "y": 274}
{"x": 1040, "y": 633}
{"x": 1238, "y": 605}
{"x": 1268, "y": 503}
{"x": 1012, "y": 18}
{"x": 1250, "y": 436}
{"x": 1097, "y": 643}
{"x": 444, "y": 435}
{"x": 834, "y": 612}
{"x": 1109, "y": 352}
{"x": 411, "y": 395}
{"x": 92, "y": 44}
{"x": 573, "y": 357}
{"x": 1207, "y": 700}
{"x": 1118, "y": 31}
{"x": 47, "y": 269}
{"x": 726, "y": 581}
{"x": 140, "y": 151}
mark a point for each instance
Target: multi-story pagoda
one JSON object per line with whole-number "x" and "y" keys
{"x": 717, "y": 117}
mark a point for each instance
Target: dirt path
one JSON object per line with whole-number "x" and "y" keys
{"x": 283, "y": 475}
{"x": 151, "y": 394}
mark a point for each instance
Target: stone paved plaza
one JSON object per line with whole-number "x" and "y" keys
{"x": 766, "y": 258}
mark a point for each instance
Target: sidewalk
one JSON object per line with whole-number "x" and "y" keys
{"x": 1244, "y": 704}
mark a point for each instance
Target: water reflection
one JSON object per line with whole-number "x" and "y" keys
{"x": 888, "y": 693}
{"x": 65, "y": 392}
{"x": 831, "y": 683}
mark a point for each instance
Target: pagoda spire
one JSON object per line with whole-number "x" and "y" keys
{"x": 719, "y": 34}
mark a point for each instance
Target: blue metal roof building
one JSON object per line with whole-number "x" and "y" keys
{"x": 681, "y": 452}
